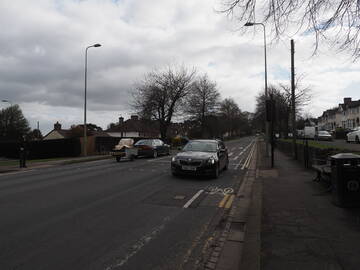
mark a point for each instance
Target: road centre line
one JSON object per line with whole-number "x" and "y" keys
{"x": 189, "y": 202}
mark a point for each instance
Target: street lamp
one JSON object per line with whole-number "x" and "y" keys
{"x": 8, "y": 101}
{"x": 266, "y": 88}
{"x": 85, "y": 139}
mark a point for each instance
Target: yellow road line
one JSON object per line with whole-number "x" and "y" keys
{"x": 229, "y": 202}
{"x": 224, "y": 200}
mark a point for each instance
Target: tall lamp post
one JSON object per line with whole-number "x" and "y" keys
{"x": 266, "y": 88}
{"x": 85, "y": 138}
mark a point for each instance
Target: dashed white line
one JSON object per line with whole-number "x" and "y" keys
{"x": 139, "y": 245}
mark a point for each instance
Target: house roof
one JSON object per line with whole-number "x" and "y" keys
{"x": 66, "y": 133}
{"x": 354, "y": 104}
{"x": 136, "y": 125}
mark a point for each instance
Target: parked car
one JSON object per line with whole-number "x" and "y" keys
{"x": 201, "y": 157}
{"x": 152, "y": 148}
{"x": 354, "y": 135}
{"x": 323, "y": 135}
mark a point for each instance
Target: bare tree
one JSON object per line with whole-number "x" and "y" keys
{"x": 282, "y": 96}
{"x": 160, "y": 95}
{"x": 303, "y": 95}
{"x": 202, "y": 101}
{"x": 341, "y": 17}
{"x": 233, "y": 119}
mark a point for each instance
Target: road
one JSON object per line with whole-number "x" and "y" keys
{"x": 108, "y": 215}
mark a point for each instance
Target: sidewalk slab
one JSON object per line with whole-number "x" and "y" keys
{"x": 301, "y": 228}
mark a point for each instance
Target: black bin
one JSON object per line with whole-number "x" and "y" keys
{"x": 345, "y": 179}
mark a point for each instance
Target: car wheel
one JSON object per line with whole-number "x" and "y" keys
{"x": 155, "y": 154}
{"x": 216, "y": 172}
{"x": 118, "y": 159}
{"x": 357, "y": 139}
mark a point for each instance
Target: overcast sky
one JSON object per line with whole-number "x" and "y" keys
{"x": 43, "y": 48}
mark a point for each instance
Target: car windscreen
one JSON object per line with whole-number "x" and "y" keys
{"x": 144, "y": 142}
{"x": 201, "y": 146}
{"x": 324, "y": 133}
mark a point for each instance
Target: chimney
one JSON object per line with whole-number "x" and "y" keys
{"x": 347, "y": 100}
{"x": 134, "y": 117}
{"x": 121, "y": 120}
{"x": 57, "y": 126}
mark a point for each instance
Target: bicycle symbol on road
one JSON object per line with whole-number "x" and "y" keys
{"x": 221, "y": 191}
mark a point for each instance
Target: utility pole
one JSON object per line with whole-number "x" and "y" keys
{"x": 293, "y": 116}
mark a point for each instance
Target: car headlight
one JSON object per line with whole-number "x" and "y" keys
{"x": 173, "y": 159}
{"x": 211, "y": 161}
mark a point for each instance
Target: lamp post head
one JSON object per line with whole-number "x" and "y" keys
{"x": 97, "y": 45}
{"x": 249, "y": 24}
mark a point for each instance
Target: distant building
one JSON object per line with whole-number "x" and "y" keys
{"x": 346, "y": 115}
{"x": 58, "y": 133}
{"x": 135, "y": 128}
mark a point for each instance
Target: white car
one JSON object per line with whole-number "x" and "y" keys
{"x": 354, "y": 135}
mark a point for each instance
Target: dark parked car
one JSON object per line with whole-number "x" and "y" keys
{"x": 152, "y": 148}
{"x": 201, "y": 157}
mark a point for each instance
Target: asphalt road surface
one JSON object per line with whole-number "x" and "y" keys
{"x": 108, "y": 215}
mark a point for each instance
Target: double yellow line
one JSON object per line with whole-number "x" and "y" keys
{"x": 227, "y": 201}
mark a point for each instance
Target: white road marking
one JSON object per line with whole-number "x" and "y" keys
{"x": 230, "y": 154}
{"x": 139, "y": 245}
{"x": 247, "y": 162}
{"x": 237, "y": 166}
{"x": 241, "y": 153}
{"x": 189, "y": 202}
{"x": 221, "y": 191}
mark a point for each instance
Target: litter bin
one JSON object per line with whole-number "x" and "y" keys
{"x": 345, "y": 179}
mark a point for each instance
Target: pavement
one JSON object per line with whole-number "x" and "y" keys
{"x": 30, "y": 165}
{"x": 282, "y": 219}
